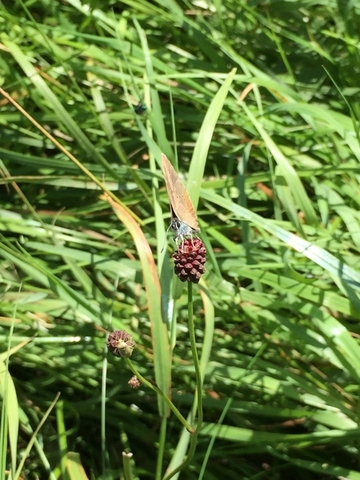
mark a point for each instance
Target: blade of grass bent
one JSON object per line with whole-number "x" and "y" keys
{"x": 316, "y": 254}
{"x": 198, "y": 161}
{"x": 162, "y": 361}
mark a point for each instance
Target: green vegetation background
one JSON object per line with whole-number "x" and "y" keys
{"x": 257, "y": 102}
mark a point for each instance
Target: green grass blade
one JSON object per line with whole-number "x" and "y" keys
{"x": 199, "y": 156}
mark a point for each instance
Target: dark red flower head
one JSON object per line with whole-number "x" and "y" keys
{"x": 120, "y": 343}
{"x": 189, "y": 260}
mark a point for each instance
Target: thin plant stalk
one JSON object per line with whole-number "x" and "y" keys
{"x": 156, "y": 389}
{"x": 160, "y": 455}
{"x": 199, "y": 382}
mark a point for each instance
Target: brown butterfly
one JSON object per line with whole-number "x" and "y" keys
{"x": 184, "y": 220}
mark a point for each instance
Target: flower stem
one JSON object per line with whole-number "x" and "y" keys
{"x": 160, "y": 456}
{"x": 156, "y": 389}
{"x": 199, "y": 380}
{"x": 199, "y": 383}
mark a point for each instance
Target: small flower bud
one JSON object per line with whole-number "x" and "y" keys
{"x": 120, "y": 343}
{"x": 134, "y": 382}
{"x": 189, "y": 260}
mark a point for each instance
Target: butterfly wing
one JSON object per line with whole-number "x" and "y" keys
{"x": 180, "y": 201}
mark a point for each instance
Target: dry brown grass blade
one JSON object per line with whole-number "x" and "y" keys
{"x": 160, "y": 338}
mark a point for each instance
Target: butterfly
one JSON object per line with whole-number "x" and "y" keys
{"x": 184, "y": 220}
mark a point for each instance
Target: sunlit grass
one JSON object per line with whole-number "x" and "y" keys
{"x": 257, "y": 106}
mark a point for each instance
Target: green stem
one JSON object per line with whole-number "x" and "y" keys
{"x": 160, "y": 456}
{"x": 199, "y": 382}
{"x": 156, "y": 389}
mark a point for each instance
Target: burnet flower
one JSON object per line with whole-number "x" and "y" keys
{"x": 189, "y": 260}
{"x": 120, "y": 343}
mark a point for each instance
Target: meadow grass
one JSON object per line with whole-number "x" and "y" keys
{"x": 256, "y": 105}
